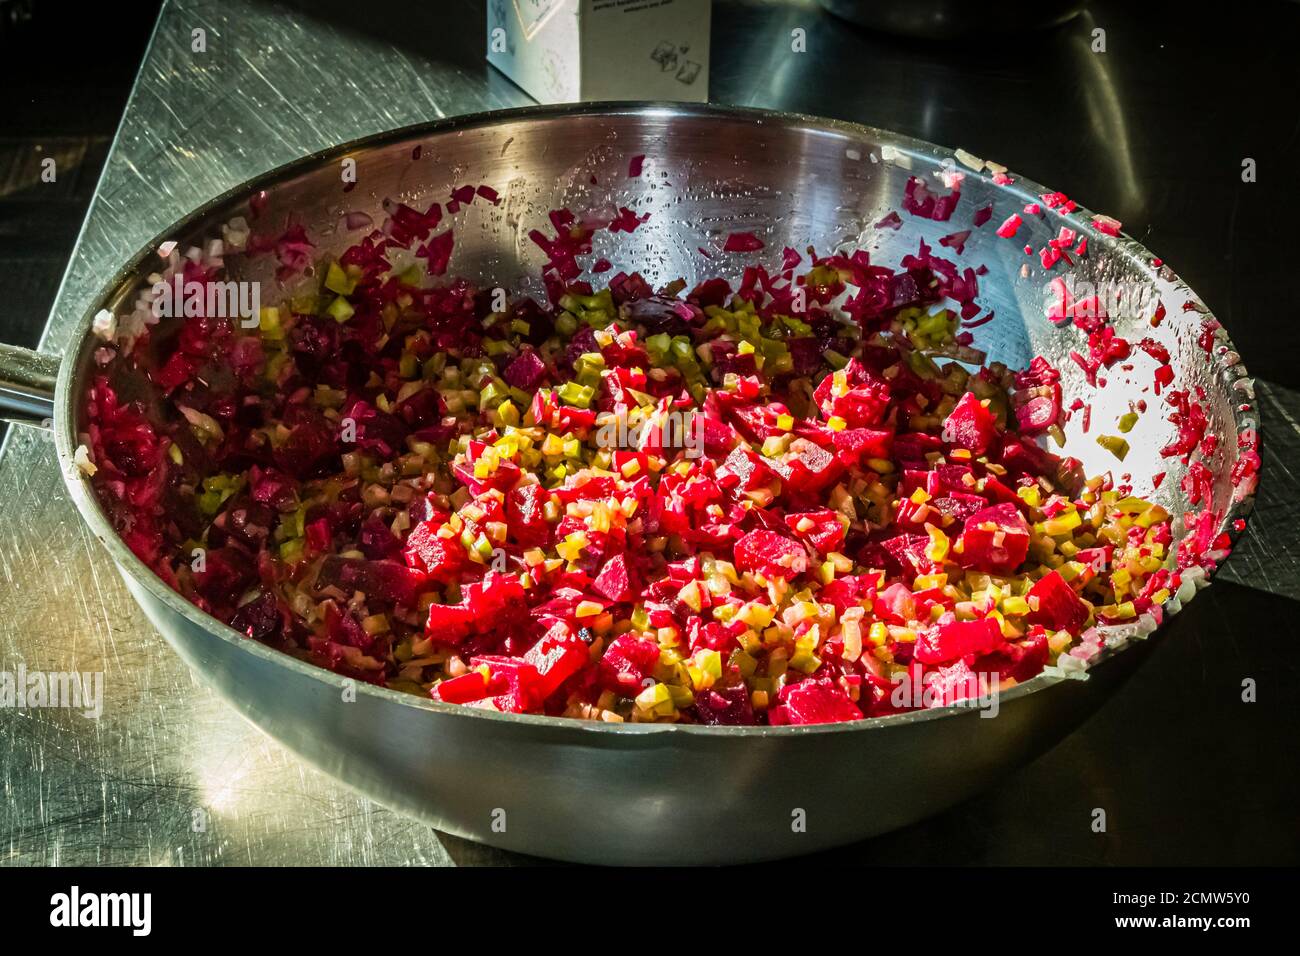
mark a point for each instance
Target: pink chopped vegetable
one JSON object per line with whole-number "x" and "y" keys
{"x": 742, "y": 242}
{"x": 956, "y": 241}
{"x": 1106, "y": 224}
{"x": 919, "y": 200}
{"x": 437, "y": 252}
{"x": 1059, "y": 200}
{"x": 1010, "y": 226}
{"x": 626, "y": 220}
{"x": 357, "y": 220}
{"x": 634, "y": 166}
{"x": 1063, "y": 239}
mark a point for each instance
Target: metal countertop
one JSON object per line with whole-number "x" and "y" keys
{"x": 1188, "y": 773}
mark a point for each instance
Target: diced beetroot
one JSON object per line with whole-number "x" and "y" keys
{"x": 908, "y": 552}
{"x": 771, "y": 554}
{"x": 809, "y": 467}
{"x": 970, "y": 425}
{"x": 995, "y": 539}
{"x": 494, "y": 595}
{"x": 1019, "y": 661}
{"x": 318, "y": 537}
{"x": 950, "y": 640}
{"x": 562, "y": 606}
{"x": 816, "y": 702}
{"x": 948, "y": 479}
{"x": 524, "y": 371}
{"x": 957, "y": 505}
{"x": 896, "y": 604}
{"x": 376, "y": 431}
{"x": 440, "y": 558}
{"x": 627, "y": 662}
{"x": 526, "y": 516}
{"x": 824, "y": 529}
{"x": 853, "y": 446}
{"x": 953, "y": 683}
{"x": 845, "y": 592}
{"x": 743, "y": 470}
{"x": 1054, "y": 604}
{"x": 861, "y": 407}
{"x": 449, "y": 623}
{"x": 724, "y": 707}
{"x": 314, "y": 441}
{"x": 514, "y": 684}
{"x": 855, "y": 375}
{"x": 614, "y": 582}
{"x": 462, "y": 689}
{"x": 309, "y": 449}
{"x": 381, "y": 580}
{"x": 226, "y": 575}
{"x": 1039, "y": 413}
{"x": 261, "y": 618}
{"x": 274, "y": 488}
{"x": 501, "y": 479}
{"x": 911, "y": 448}
{"x": 556, "y": 657}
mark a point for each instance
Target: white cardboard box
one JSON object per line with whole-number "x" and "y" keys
{"x": 561, "y": 51}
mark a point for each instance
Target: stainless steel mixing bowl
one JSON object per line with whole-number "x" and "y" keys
{"x": 655, "y": 793}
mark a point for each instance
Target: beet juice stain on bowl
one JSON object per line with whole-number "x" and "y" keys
{"x": 785, "y": 497}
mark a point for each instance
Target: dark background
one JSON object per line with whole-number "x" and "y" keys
{"x": 1153, "y": 131}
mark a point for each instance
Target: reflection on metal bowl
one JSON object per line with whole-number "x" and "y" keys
{"x": 949, "y": 19}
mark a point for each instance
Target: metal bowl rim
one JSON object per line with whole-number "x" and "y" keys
{"x": 87, "y": 502}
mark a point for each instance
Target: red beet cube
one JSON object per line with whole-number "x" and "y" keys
{"x": 948, "y": 641}
{"x": 995, "y": 539}
{"x": 614, "y": 582}
{"x": 970, "y": 425}
{"x": 771, "y": 554}
{"x": 1054, "y": 604}
{"x": 853, "y": 446}
{"x": 494, "y": 595}
{"x": 809, "y": 467}
{"x": 462, "y": 689}
{"x": 815, "y": 702}
{"x": 524, "y": 371}
{"x": 440, "y": 558}
{"x": 449, "y": 623}
{"x": 525, "y": 515}
{"x": 556, "y": 657}
{"x": 826, "y": 533}
{"x": 627, "y": 662}
{"x": 896, "y": 604}
{"x": 743, "y": 470}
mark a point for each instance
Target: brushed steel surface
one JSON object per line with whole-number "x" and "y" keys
{"x": 167, "y": 755}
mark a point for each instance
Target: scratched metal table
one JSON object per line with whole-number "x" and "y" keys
{"x": 1187, "y": 772}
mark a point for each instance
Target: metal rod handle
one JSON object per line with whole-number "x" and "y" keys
{"x": 27, "y": 386}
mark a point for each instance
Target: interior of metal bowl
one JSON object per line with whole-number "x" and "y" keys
{"x": 790, "y": 180}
